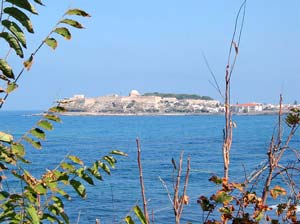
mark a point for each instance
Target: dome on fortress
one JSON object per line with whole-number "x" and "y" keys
{"x": 134, "y": 93}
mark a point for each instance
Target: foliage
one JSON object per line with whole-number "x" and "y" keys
{"x": 179, "y": 96}
{"x": 38, "y": 199}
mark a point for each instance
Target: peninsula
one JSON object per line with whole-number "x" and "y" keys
{"x": 160, "y": 104}
{"x": 137, "y": 104}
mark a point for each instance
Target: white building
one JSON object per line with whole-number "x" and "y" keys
{"x": 247, "y": 108}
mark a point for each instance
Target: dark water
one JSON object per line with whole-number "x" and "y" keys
{"x": 162, "y": 138}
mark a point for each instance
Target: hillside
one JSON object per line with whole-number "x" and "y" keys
{"x": 179, "y": 96}
{"x": 149, "y": 103}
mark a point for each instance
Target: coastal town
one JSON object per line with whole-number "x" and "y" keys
{"x": 160, "y": 104}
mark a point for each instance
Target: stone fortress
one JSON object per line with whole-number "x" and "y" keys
{"x": 135, "y": 104}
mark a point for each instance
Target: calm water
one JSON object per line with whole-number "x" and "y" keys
{"x": 162, "y": 138}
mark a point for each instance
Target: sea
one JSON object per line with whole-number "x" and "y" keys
{"x": 162, "y": 138}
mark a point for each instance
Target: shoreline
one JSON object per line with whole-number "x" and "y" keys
{"x": 162, "y": 114}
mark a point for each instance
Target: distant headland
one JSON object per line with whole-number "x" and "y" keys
{"x": 157, "y": 104}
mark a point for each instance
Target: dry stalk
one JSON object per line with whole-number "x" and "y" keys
{"x": 142, "y": 181}
{"x": 179, "y": 202}
{"x": 227, "y": 140}
{"x": 276, "y": 151}
{"x": 273, "y": 148}
{"x": 184, "y": 199}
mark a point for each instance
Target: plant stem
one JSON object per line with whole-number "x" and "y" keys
{"x": 142, "y": 181}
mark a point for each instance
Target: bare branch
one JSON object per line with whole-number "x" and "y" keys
{"x": 168, "y": 192}
{"x": 142, "y": 181}
{"x": 215, "y": 84}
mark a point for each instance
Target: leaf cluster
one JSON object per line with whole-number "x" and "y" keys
{"x": 39, "y": 199}
{"x": 43, "y": 198}
{"x": 15, "y": 21}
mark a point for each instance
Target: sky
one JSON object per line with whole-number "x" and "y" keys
{"x": 157, "y": 46}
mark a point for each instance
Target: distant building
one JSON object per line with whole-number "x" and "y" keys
{"x": 247, "y": 108}
{"x": 134, "y": 93}
{"x": 78, "y": 96}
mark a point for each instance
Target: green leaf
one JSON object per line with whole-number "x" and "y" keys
{"x": 259, "y": 216}
{"x": 222, "y": 197}
{"x": 4, "y": 78}
{"x": 11, "y": 86}
{"x": 6, "y": 69}
{"x": 72, "y": 22}
{"x": 51, "y": 42}
{"x": 50, "y": 218}
{"x": 40, "y": 189}
{"x": 95, "y": 172}
{"x": 79, "y": 188}
{"x": 39, "y": 133}
{"x": 18, "y": 148}
{"x": 52, "y": 117}
{"x": 80, "y": 172}
{"x": 4, "y": 137}
{"x": 57, "y": 109}
{"x": 216, "y": 180}
{"x": 111, "y": 160}
{"x": 75, "y": 159}
{"x": 138, "y": 212}
{"x": 39, "y": 2}
{"x": 77, "y": 12}
{"x": 2, "y": 167}
{"x": 117, "y": 152}
{"x": 63, "y": 31}
{"x": 129, "y": 220}
{"x": 13, "y": 43}
{"x": 45, "y": 124}
{"x": 58, "y": 203}
{"x": 23, "y": 160}
{"x": 67, "y": 166}
{"x": 35, "y": 144}
{"x": 104, "y": 167}
{"x": 28, "y": 63}
{"x": 4, "y": 195}
{"x": 64, "y": 194}
{"x": 15, "y": 30}
{"x": 21, "y": 17}
{"x": 24, "y": 4}
{"x": 33, "y": 214}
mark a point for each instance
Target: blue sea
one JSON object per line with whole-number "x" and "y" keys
{"x": 162, "y": 138}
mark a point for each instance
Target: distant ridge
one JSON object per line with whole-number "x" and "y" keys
{"x": 179, "y": 96}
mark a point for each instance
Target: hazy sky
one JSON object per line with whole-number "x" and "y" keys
{"x": 157, "y": 45}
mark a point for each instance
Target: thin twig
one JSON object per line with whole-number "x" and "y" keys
{"x": 243, "y": 6}
{"x": 142, "y": 181}
{"x": 176, "y": 191}
{"x": 78, "y": 217}
{"x": 168, "y": 192}
{"x": 279, "y": 137}
{"x": 1, "y": 12}
{"x": 183, "y": 197}
{"x": 215, "y": 84}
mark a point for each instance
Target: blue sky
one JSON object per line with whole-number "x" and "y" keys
{"x": 157, "y": 45}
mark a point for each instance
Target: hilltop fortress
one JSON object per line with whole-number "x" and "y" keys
{"x": 135, "y": 104}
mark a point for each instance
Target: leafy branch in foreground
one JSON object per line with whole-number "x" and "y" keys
{"x": 38, "y": 199}
{"x": 14, "y": 36}
{"x": 43, "y": 198}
